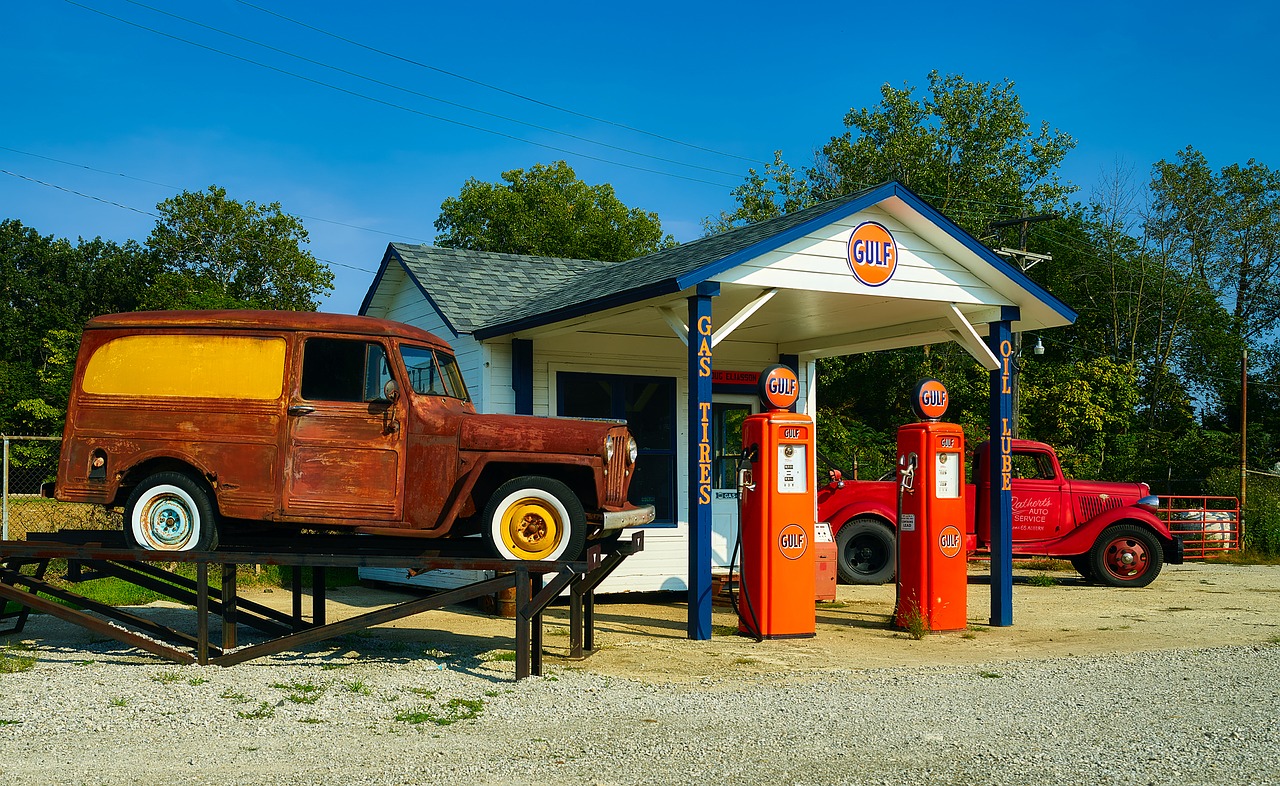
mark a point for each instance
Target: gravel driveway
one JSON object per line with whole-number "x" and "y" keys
{"x": 1149, "y": 694}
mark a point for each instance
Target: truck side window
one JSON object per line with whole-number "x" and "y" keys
{"x": 337, "y": 369}
{"x": 433, "y": 375}
{"x": 1032, "y": 466}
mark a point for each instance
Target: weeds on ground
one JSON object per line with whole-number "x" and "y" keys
{"x": 233, "y": 696}
{"x": 450, "y": 712}
{"x": 15, "y": 658}
{"x": 264, "y": 710}
{"x": 916, "y": 624}
{"x": 119, "y": 701}
{"x": 300, "y": 692}
{"x": 166, "y": 677}
{"x": 502, "y": 656}
{"x": 1042, "y": 580}
{"x": 10, "y": 722}
{"x": 356, "y": 686}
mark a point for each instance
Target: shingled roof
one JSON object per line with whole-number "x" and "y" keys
{"x": 492, "y": 294}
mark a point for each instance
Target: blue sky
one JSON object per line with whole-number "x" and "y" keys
{"x": 716, "y": 88}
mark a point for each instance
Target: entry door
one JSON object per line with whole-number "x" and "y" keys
{"x": 345, "y": 445}
{"x": 727, "y": 414}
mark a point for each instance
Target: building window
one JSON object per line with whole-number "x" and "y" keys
{"x": 648, "y": 404}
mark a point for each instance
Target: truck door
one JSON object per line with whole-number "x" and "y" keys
{"x": 344, "y": 451}
{"x": 1038, "y": 496}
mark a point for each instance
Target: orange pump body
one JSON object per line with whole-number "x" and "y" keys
{"x": 932, "y": 561}
{"x": 777, "y": 597}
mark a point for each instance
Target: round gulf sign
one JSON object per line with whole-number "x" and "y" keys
{"x": 873, "y": 254}
{"x": 930, "y": 399}
{"x": 778, "y": 387}
{"x": 950, "y": 541}
{"x": 792, "y": 541}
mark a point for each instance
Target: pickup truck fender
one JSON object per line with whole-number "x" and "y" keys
{"x": 863, "y": 507}
{"x": 1082, "y": 538}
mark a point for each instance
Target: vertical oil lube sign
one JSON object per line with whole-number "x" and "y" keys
{"x": 1006, "y": 432}
{"x": 704, "y": 413}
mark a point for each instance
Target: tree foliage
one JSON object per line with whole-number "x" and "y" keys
{"x": 221, "y": 253}
{"x": 548, "y": 211}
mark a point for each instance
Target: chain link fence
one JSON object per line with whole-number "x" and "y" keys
{"x": 29, "y": 462}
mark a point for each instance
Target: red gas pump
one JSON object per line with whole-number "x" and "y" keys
{"x": 777, "y": 492}
{"x": 932, "y": 563}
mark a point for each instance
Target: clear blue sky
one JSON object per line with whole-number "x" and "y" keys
{"x": 1133, "y": 83}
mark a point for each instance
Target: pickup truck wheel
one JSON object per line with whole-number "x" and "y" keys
{"x": 1083, "y": 566}
{"x": 866, "y": 552}
{"x": 170, "y": 511}
{"x": 535, "y": 518}
{"x": 1126, "y": 555}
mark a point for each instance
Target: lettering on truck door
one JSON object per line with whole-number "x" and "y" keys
{"x": 1037, "y": 497}
{"x": 344, "y": 452}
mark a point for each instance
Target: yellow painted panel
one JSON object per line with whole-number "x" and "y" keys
{"x": 188, "y": 366}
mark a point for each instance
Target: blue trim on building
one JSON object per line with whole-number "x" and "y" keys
{"x": 377, "y": 282}
{"x": 522, "y": 374}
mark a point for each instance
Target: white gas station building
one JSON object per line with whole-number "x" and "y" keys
{"x": 665, "y": 338}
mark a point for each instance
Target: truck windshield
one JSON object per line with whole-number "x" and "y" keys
{"x": 433, "y": 375}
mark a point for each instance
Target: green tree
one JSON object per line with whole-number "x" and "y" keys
{"x": 548, "y": 211}
{"x": 221, "y": 253}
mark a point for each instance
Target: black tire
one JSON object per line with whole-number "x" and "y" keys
{"x": 1083, "y": 566}
{"x": 1126, "y": 555}
{"x": 170, "y": 511}
{"x": 866, "y": 552}
{"x": 535, "y": 518}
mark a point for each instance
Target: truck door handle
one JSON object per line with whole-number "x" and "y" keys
{"x": 301, "y": 409}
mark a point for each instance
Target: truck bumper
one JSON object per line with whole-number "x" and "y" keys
{"x": 1173, "y": 551}
{"x": 630, "y": 517}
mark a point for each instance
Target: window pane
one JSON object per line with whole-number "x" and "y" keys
{"x": 453, "y": 377}
{"x": 424, "y": 377}
{"x": 648, "y": 412}
{"x": 336, "y": 369}
{"x": 653, "y": 483}
{"x": 727, "y": 421}
{"x": 586, "y": 396}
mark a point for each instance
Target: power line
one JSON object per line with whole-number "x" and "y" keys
{"x": 88, "y": 168}
{"x": 427, "y": 96}
{"x": 392, "y": 104}
{"x": 495, "y": 88}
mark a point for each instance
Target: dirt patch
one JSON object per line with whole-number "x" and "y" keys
{"x": 644, "y": 637}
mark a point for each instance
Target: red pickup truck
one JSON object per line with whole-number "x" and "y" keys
{"x": 1109, "y": 531}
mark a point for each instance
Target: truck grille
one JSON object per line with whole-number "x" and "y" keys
{"x": 1090, "y": 506}
{"x": 616, "y": 480}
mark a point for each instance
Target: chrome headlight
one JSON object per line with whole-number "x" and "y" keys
{"x": 608, "y": 449}
{"x": 633, "y": 450}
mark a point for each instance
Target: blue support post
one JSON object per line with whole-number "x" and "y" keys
{"x": 1000, "y": 468}
{"x": 700, "y": 330}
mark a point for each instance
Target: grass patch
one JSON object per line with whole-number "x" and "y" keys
{"x": 724, "y": 630}
{"x": 1273, "y": 640}
{"x": 1045, "y": 563}
{"x": 263, "y": 710}
{"x": 118, "y": 701}
{"x": 357, "y": 687}
{"x": 10, "y": 722}
{"x": 166, "y": 677}
{"x": 990, "y": 675}
{"x": 16, "y": 658}
{"x": 502, "y": 656}
{"x": 309, "y": 720}
{"x": 430, "y": 694}
{"x": 968, "y": 635}
{"x": 916, "y": 624}
{"x": 300, "y": 692}
{"x": 232, "y": 695}
{"x": 1042, "y": 580}
{"x": 450, "y": 712}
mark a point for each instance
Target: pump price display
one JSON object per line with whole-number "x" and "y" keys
{"x": 793, "y": 467}
{"x": 946, "y": 475}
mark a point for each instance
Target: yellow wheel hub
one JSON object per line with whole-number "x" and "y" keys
{"x": 531, "y": 528}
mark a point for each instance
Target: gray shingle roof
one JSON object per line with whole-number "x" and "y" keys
{"x": 483, "y": 291}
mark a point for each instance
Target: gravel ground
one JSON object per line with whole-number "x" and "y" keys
{"x": 386, "y": 708}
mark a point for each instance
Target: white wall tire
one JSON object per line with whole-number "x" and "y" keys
{"x": 535, "y": 519}
{"x": 170, "y": 512}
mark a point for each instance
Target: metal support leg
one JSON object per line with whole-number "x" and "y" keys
{"x": 575, "y": 618}
{"x": 295, "y": 585}
{"x": 228, "y": 607}
{"x": 317, "y": 595}
{"x": 202, "y": 613}
{"x": 535, "y": 586}
{"x": 523, "y": 644}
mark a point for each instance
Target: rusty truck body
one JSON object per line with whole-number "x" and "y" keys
{"x": 188, "y": 418}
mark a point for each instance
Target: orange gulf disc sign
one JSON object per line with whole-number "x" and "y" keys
{"x": 792, "y": 541}
{"x": 930, "y": 399}
{"x": 950, "y": 541}
{"x": 873, "y": 254}
{"x": 778, "y": 387}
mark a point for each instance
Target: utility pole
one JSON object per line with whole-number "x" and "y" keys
{"x": 1025, "y": 261}
{"x": 1244, "y": 424}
